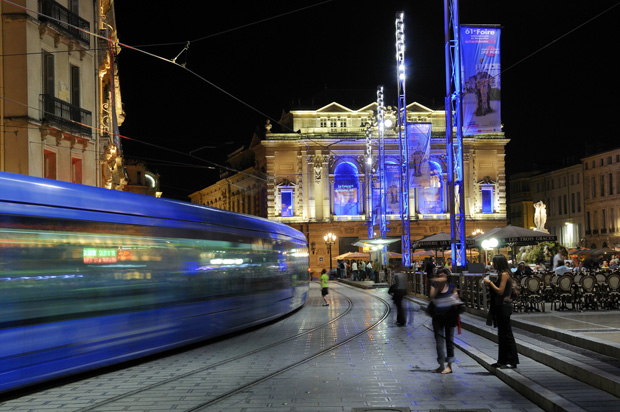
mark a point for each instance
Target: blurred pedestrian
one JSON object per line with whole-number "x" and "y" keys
{"x": 354, "y": 270}
{"x": 445, "y": 314}
{"x": 499, "y": 314}
{"x": 400, "y": 280}
{"x": 324, "y": 286}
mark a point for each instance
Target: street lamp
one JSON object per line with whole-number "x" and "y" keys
{"x": 330, "y": 239}
{"x": 488, "y": 244}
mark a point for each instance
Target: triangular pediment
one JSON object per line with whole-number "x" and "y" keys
{"x": 416, "y": 107}
{"x": 334, "y": 107}
{"x": 255, "y": 140}
{"x": 369, "y": 108}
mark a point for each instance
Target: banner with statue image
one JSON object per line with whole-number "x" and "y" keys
{"x": 480, "y": 78}
{"x": 419, "y": 138}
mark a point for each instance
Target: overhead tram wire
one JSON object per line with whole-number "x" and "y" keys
{"x": 184, "y": 67}
{"x": 236, "y": 28}
{"x": 549, "y": 44}
{"x": 558, "y": 39}
{"x": 213, "y": 164}
{"x": 168, "y": 61}
{"x": 171, "y": 61}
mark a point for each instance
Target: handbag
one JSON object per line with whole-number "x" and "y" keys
{"x": 430, "y": 309}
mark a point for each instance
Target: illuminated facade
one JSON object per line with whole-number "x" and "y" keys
{"x": 581, "y": 201}
{"x": 57, "y": 83}
{"x": 601, "y": 188}
{"x": 314, "y": 177}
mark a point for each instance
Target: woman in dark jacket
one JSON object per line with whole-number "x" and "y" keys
{"x": 445, "y": 299}
{"x": 499, "y": 314}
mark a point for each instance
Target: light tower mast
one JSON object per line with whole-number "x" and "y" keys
{"x": 368, "y": 176}
{"x": 454, "y": 123}
{"x": 403, "y": 143}
{"x": 382, "y": 177}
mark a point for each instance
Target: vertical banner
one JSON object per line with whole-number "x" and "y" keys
{"x": 345, "y": 199}
{"x": 392, "y": 193}
{"x": 480, "y": 70}
{"x": 419, "y": 135}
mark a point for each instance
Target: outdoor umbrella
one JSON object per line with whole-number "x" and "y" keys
{"x": 513, "y": 236}
{"x": 439, "y": 240}
{"x": 353, "y": 255}
{"x": 600, "y": 251}
{"x": 394, "y": 255}
{"x": 578, "y": 252}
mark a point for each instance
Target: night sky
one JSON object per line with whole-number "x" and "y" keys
{"x": 249, "y": 63}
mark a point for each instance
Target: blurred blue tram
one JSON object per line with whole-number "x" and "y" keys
{"x": 90, "y": 277}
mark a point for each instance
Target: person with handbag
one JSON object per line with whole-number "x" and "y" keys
{"x": 499, "y": 314}
{"x": 445, "y": 305}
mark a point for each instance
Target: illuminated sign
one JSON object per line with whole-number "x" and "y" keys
{"x": 96, "y": 255}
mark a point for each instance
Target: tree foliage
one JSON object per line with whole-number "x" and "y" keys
{"x": 540, "y": 253}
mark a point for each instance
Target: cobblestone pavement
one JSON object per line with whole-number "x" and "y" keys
{"x": 386, "y": 367}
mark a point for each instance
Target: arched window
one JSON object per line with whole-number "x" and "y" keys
{"x": 346, "y": 190}
{"x": 431, "y": 199}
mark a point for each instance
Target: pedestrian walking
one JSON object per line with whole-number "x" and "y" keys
{"x": 499, "y": 314}
{"x": 445, "y": 315}
{"x": 324, "y": 287}
{"x": 354, "y": 270}
{"x": 400, "y": 282}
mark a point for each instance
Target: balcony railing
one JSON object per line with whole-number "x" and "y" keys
{"x": 65, "y": 21}
{"x": 66, "y": 115}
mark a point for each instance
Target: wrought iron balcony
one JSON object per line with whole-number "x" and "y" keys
{"x": 65, "y": 20}
{"x": 66, "y": 115}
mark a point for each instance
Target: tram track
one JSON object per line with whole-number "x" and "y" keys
{"x": 246, "y": 386}
{"x": 137, "y": 393}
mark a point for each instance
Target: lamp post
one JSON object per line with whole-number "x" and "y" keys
{"x": 330, "y": 239}
{"x": 488, "y": 244}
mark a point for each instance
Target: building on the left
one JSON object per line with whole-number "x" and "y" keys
{"x": 60, "y": 101}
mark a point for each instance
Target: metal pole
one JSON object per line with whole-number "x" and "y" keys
{"x": 403, "y": 143}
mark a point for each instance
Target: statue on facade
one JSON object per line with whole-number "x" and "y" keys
{"x": 540, "y": 217}
{"x": 318, "y": 167}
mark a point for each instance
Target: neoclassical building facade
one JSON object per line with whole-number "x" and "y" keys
{"x": 314, "y": 174}
{"x": 61, "y": 98}
{"x": 581, "y": 200}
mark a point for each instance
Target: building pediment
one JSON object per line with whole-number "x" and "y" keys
{"x": 418, "y": 108}
{"x": 369, "y": 108}
{"x": 334, "y": 107}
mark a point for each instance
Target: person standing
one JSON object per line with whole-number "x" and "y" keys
{"x": 324, "y": 287}
{"x": 429, "y": 267}
{"x": 354, "y": 270}
{"x": 499, "y": 314}
{"x": 376, "y": 267}
{"x": 445, "y": 316}
{"x": 558, "y": 260}
{"x": 400, "y": 280}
